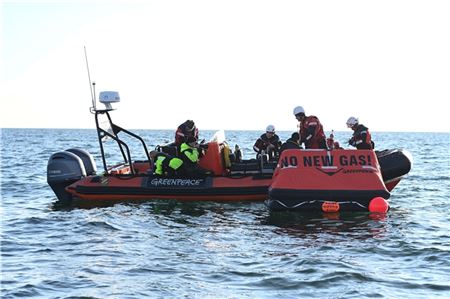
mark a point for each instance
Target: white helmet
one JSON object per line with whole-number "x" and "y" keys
{"x": 270, "y": 129}
{"x": 352, "y": 121}
{"x": 299, "y": 109}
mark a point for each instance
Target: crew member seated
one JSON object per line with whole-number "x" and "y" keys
{"x": 291, "y": 143}
{"x": 237, "y": 153}
{"x": 190, "y": 153}
{"x": 185, "y": 130}
{"x": 331, "y": 143}
{"x": 268, "y": 143}
{"x": 166, "y": 165}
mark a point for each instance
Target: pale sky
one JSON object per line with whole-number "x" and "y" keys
{"x": 228, "y": 64}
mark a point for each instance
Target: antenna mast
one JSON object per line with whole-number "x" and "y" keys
{"x": 91, "y": 84}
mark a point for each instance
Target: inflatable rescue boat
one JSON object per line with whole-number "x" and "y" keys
{"x": 300, "y": 179}
{"x": 332, "y": 181}
{"x": 73, "y": 175}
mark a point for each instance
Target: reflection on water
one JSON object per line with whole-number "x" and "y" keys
{"x": 348, "y": 225}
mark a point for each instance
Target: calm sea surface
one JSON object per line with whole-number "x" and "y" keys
{"x": 167, "y": 249}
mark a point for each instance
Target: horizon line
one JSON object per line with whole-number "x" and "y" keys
{"x": 257, "y": 130}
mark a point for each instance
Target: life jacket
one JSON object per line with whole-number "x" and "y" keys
{"x": 311, "y": 133}
{"x": 331, "y": 144}
{"x": 166, "y": 165}
{"x": 189, "y": 154}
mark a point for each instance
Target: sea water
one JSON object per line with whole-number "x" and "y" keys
{"x": 166, "y": 249}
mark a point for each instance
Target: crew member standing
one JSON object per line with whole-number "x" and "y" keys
{"x": 311, "y": 130}
{"x": 361, "y": 138}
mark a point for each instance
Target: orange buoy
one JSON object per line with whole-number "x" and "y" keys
{"x": 378, "y": 205}
{"x": 330, "y": 207}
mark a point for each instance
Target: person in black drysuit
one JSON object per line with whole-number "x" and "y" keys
{"x": 166, "y": 165}
{"x": 268, "y": 142}
{"x": 291, "y": 143}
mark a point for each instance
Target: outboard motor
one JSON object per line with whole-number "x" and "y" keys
{"x": 86, "y": 157}
{"x": 63, "y": 169}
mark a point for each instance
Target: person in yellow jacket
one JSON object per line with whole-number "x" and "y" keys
{"x": 166, "y": 165}
{"x": 190, "y": 153}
